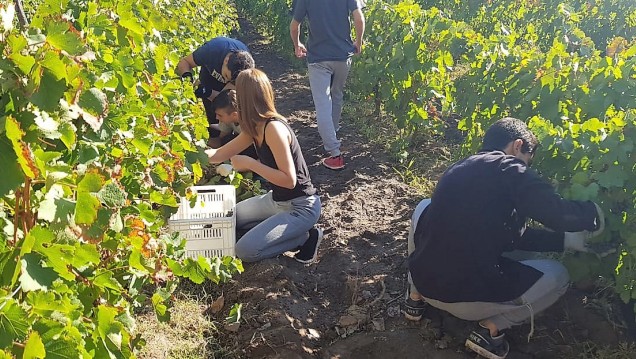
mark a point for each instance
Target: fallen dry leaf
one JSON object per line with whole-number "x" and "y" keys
{"x": 217, "y": 305}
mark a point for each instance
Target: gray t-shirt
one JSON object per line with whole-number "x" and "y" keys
{"x": 329, "y": 28}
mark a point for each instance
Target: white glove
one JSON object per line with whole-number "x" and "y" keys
{"x": 576, "y": 241}
{"x": 224, "y": 169}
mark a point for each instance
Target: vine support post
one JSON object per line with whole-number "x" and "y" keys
{"x": 19, "y": 9}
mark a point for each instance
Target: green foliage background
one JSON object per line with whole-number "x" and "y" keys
{"x": 98, "y": 140}
{"x": 565, "y": 67}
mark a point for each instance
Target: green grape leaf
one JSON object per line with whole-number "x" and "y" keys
{"x": 94, "y": 101}
{"x": 136, "y": 260}
{"x": 94, "y": 104}
{"x": 165, "y": 198}
{"x": 48, "y": 210}
{"x": 86, "y": 208}
{"x": 191, "y": 269}
{"x": 88, "y": 154}
{"x": 87, "y": 202}
{"x": 68, "y": 133}
{"x": 197, "y": 170}
{"x": 85, "y": 255}
{"x": 12, "y": 176}
{"x": 593, "y": 125}
{"x": 161, "y": 309}
{"x": 131, "y": 23}
{"x": 53, "y": 62}
{"x": 185, "y": 140}
{"x": 48, "y": 94}
{"x": 577, "y": 268}
{"x": 105, "y": 319}
{"x": 104, "y": 279}
{"x": 14, "y": 323}
{"x": 584, "y": 193}
{"x": 161, "y": 52}
{"x": 9, "y": 269}
{"x": 45, "y": 303}
{"x": 615, "y": 176}
{"x": 24, "y": 63}
{"x": 34, "y": 276}
{"x": 20, "y": 148}
{"x": 39, "y": 234}
{"x": 127, "y": 79}
{"x": 581, "y": 178}
{"x": 61, "y": 349}
{"x": 34, "y": 349}
{"x": 58, "y": 257}
{"x": 115, "y": 341}
{"x": 61, "y": 35}
{"x": 143, "y": 145}
{"x": 126, "y": 319}
{"x": 56, "y": 210}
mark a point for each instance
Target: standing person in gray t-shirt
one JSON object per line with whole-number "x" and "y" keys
{"x": 328, "y": 53}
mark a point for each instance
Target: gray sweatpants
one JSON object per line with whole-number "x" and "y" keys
{"x": 276, "y": 227}
{"x": 547, "y": 290}
{"x": 327, "y": 80}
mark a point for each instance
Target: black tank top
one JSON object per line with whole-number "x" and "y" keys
{"x": 304, "y": 187}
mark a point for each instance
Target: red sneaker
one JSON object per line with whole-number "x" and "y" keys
{"x": 334, "y": 163}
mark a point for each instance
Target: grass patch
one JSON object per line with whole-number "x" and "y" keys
{"x": 183, "y": 337}
{"x": 190, "y": 334}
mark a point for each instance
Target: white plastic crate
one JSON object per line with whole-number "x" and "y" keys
{"x": 210, "y": 226}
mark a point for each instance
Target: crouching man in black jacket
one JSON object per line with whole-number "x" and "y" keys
{"x": 477, "y": 212}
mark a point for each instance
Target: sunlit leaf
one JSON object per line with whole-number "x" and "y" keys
{"x": 58, "y": 257}
{"x": 21, "y": 149}
{"x": 36, "y": 237}
{"x": 85, "y": 255}
{"x": 13, "y": 175}
{"x": 13, "y": 323}
{"x": 87, "y": 201}
{"x": 105, "y": 280}
{"x": 61, "y": 35}
{"x": 34, "y": 348}
{"x": 57, "y": 67}
{"x": 34, "y": 275}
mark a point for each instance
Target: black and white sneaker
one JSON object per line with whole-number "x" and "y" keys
{"x": 309, "y": 251}
{"x": 487, "y": 346}
{"x": 413, "y": 309}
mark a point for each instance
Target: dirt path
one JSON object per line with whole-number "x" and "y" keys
{"x": 347, "y": 304}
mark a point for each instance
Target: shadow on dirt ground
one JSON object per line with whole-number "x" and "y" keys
{"x": 347, "y": 304}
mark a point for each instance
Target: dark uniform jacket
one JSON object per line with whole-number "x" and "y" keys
{"x": 478, "y": 211}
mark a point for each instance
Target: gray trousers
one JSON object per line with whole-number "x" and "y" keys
{"x": 547, "y": 290}
{"x": 276, "y": 227}
{"x": 327, "y": 80}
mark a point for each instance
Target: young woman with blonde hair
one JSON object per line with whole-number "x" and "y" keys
{"x": 284, "y": 219}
